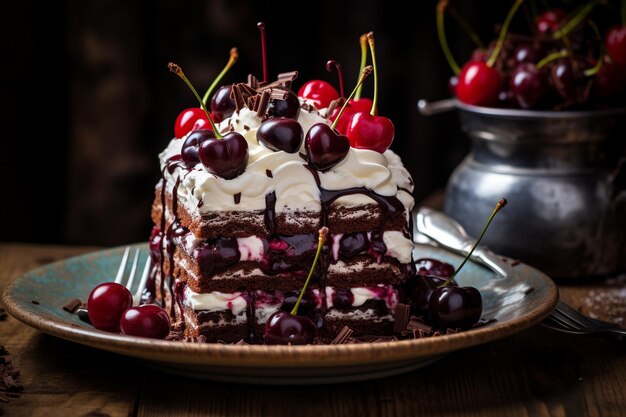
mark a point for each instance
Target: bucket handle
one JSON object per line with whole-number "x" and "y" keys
{"x": 427, "y": 108}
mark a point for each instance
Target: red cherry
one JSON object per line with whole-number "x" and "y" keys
{"x": 342, "y": 124}
{"x": 325, "y": 147}
{"x": 479, "y": 84}
{"x": 147, "y": 320}
{"x": 362, "y": 105}
{"x": 106, "y": 304}
{"x": 550, "y": 21}
{"x": 615, "y": 42}
{"x": 190, "y": 119}
{"x": 370, "y": 132}
{"x": 529, "y": 85}
{"x": 319, "y": 92}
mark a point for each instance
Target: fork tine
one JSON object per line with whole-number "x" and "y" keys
{"x": 120, "y": 270}
{"x": 563, "y": 322}
{"x": 133, "y": 270}
{"x": 142, "y": 283}
{"x": 568, "y": 313}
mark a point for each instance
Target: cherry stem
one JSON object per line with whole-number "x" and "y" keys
{"x": 178, "y": 71}
{"x": 363, "y": 42}
{"x": 553, "y": 56}
{"x": 466, "y": 26}
{"x": 590, "y": 72}
{"x": 498, "y": 207}
{"x": 261, "y": 26}
{"x": 332, "y": 65}
{"x": 366, "y": 71}
{"x": 578, "y": 17}
{"x": 441, "y": 32}
{"x": 323, "y": 234}
{"x": 505, "y": 27}
{"x": 370, "y": 41}
{"x": 234, "y": 55}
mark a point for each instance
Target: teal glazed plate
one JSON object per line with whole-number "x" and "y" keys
{"x": 511, "y": 304}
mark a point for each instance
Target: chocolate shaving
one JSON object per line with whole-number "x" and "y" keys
{"x": 268, "y": 172}
{"x": 263, "y": 103}
{"x": 35, "y": 302}
{"x": 515, "y": 262}
{"x": 253, "y": 102}
{"x": 402, "y": 316}
{"x": 83, "y": 314}
{"x": 529, "y": 290}
{"x": 246, "y": 127}
{"x": 72, "y": 305}
{"x": 337, "y": 103}
{"x": 253, "y": 81}
{"x": 343, "y": 336}
{"x": 415, "y": 324}
{"x": 286, "y": 78}
{"x": 278, "y": 93}
{"x": 237, "y": 96}
{"x": 237, "y": 198}
{"x": 240, "y": 342}
{"x": 246, "y": 90}
{"x": 420, "y": 334}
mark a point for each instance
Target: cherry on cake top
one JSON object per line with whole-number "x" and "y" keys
{"x": 565, "y": 60}
{"x": 355, "y": 121}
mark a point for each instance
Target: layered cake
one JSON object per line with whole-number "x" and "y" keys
{"x": 233, "y": 241}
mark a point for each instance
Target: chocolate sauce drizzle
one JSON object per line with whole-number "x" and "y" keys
{"x": 270, "y": 212}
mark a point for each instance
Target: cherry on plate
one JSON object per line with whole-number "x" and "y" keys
{"x": 106, "y": 304}
{"x": 147, "y": 320}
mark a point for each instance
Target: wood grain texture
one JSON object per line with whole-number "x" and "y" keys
{"x": 534, "y": 373}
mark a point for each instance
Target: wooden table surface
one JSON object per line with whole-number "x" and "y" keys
{"x": 537, "y": 372}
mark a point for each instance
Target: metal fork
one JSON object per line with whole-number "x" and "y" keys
{"x": 566, "y": 319}
{"x": 119, "y": 278}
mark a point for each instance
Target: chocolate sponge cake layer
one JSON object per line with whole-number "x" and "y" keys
{"x": 245, "y": 223}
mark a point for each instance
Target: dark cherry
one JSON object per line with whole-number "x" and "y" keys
{"x": 216, "y": 255}
{"x": 550, "y": 21}
{"x": 434, "y": 267}
{"x": 479, "y": 84}
{"x": 319, "y": 92}
{"x": 609, "y": 80}
{"x": 226, "y": 157}
{"x": 529, "y": 54}
{"x": 353, "y": 244}
{"x": 106, "y": 304}
{"x": 289, "y": 107}
{"x": 222, "y": 105}
{"x": 452, "y": 307}
{"x": 147, "y": 320}
{"x": 452, "y": 83}
{"x": 283, "y": 328}
{"x": 615, "y": 42}
{"x": 191, "y": 145}
{"x": 307, "y": 304}
{"x": 343, "y": 298}
{"x": 529, "y": 85}
{"x": 281, "y": 134}
{"x": 190, "y": 119}
{"x": 568, "y": 81}
{"x": 325, "y": 147}
{"x": 419, "y": 289}
{"x": 480, "y": 54}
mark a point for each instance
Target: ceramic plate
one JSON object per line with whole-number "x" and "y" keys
{"x": 515, "y": 303}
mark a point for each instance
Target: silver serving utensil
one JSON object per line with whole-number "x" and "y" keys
{"x": 446, "y": 232}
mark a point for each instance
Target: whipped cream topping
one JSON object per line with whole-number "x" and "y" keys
{"x": 285, "y": 174}
{"x": 362, "y": 294}
{"x": 215, "y": 301}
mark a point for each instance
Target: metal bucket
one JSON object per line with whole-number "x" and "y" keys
{"x": 564, "y": 174}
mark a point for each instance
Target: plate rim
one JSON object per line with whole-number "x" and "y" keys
{"x": 261, "y": 356}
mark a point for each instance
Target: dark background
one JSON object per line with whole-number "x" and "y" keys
{"x": 88, "y": 102}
